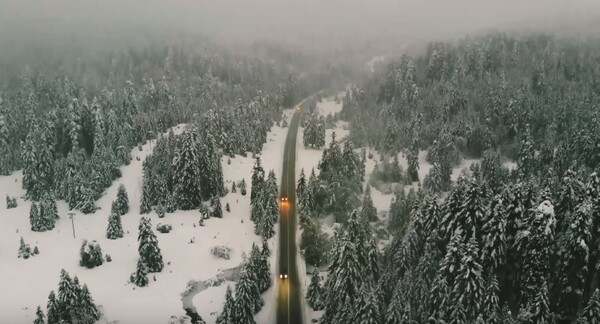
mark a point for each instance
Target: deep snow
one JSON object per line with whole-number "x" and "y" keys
{"x": 28, "y": 282}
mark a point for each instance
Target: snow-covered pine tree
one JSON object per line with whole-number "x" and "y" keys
{"x": 536, "y": 244}
{"x": 258, "y": 178}
{"x": 471, "y": 217}
{"x": 52, "y": 308}
{"x": 258, "y": 264}
{"x": 233, "y": 187}
{"x": 314, "y": 291}
{"x": 526, "y": 160}
{"x": 122, "y": 202}
{"x": 312, "y": 242}
{"x": 148, "y": 249}
{"x": 591, "y": 312}
{"x": 48, "y": 212}
{"x": 186, "y": 174}
{"x": 140, "y": 276}
{"x": 87, "y": 202}
{"x": 368, "y": 311}
{"x": 301, "y": 185}
{"x": 217, "y": 208}
{"x": 24, "y": 250}
{"x": 469, "y": 284}
{"x": 574, "y": 256}
{"x": 145, "y": 204}
{"x": 227, "y": 315}
{"x": 247, "y": 299}
{"x": 491, "y": 302}
{"x": 343, "y": 281}
{"x": 265, "y": 226}
{"x": 39, "y": 316}
{"x": 114, "y": 229}
{"x": 368, "y": 210}
{"x": 11, "y": 202}
{"x": 493, "y": 253}
{"x": 91, "y": 255}
{"x": 540, "y": 307}
{"x": 412, "y": 156}
{"x": 37, "y": 224}
{"x": 66, "y": 298}
{"x": 265, "y": 248}
{"x": 450, "y": 265}
{"x": 243, "y": 187}
{"x": 88, "y": 310}
{"x": 395, "y": 313}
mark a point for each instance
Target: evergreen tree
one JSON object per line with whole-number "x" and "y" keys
{"x": 39, "y": 316}
{"x": 313, "y": 242}
{"x": 412, "y": 157}
{"x": 217, "y": 208}
{"x": 343, "y": 281}
{"x": 258, "y": 177}
{"x": 494, "y": 242}
{"x": 368, "y": 308}
{"x": 24, "y": 250}
{"x": 301, "y": 185}
{"x": 122, "y": 202}
{"x": 247, "y": 298}
{"x": 145, "y": 203}
{"x": 91, "y": 255}
{"x": 395, "y": 310}
{"x": 540, "y": 309}
{"x": 227, "y": 315}
{"x": 37, "y": 223}
{"x": 243, "y": 187}
{"x": 469, "y": 285}
{"x": 150, "y": 254}
{"x": 115, "y": 229}
{"x": 48, "y": 213}
{"x": 52, "y": 308}
{"x": 66, "y": 298}
{"x": 265, "y": 248}
{"x": 186, "y": 174}
{"x": 368, "y": 211}
{"x": 259, "y": 264}
{"x": 140, "y": 276}
{"x": 575, "y": 253}
{"x": 233, "y": 187}
{"x": 314, "y": 291}
{"x": 591, "y": 313}
{"x": 526, "y": 161}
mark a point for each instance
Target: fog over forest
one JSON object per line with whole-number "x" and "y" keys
{"x": 311, "y": 24}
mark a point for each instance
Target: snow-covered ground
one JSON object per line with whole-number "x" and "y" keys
{"x": 28, "y": 282}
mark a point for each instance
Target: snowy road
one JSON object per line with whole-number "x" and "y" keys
{"x": 289, "y": 305}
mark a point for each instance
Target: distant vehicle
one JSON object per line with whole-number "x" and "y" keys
{"x": 283, "y": 274}
{"x": 298, "y": 108}
{"x": 284, "y": 199}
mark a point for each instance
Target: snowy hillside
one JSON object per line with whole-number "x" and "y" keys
{"x": 29, "y": 282}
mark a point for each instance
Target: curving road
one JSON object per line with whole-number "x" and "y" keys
{"x": 289, "y": 293}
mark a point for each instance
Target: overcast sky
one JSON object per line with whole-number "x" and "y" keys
{"x": 308, "y": 22}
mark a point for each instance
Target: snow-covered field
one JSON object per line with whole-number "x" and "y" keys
{"x": 27, "y": 283}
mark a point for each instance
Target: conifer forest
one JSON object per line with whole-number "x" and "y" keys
{"x": 339, "y": 162}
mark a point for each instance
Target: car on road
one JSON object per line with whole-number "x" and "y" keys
{"x": 283, "y": 274}
{"x": 284, "y": 199}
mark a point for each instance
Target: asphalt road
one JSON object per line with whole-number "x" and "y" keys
{"x": 289, "y": 293}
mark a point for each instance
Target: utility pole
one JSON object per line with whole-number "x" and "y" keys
{"x": 72, "y": 216}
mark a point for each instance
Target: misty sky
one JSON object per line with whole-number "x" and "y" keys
{"x": 309, "y": 23}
